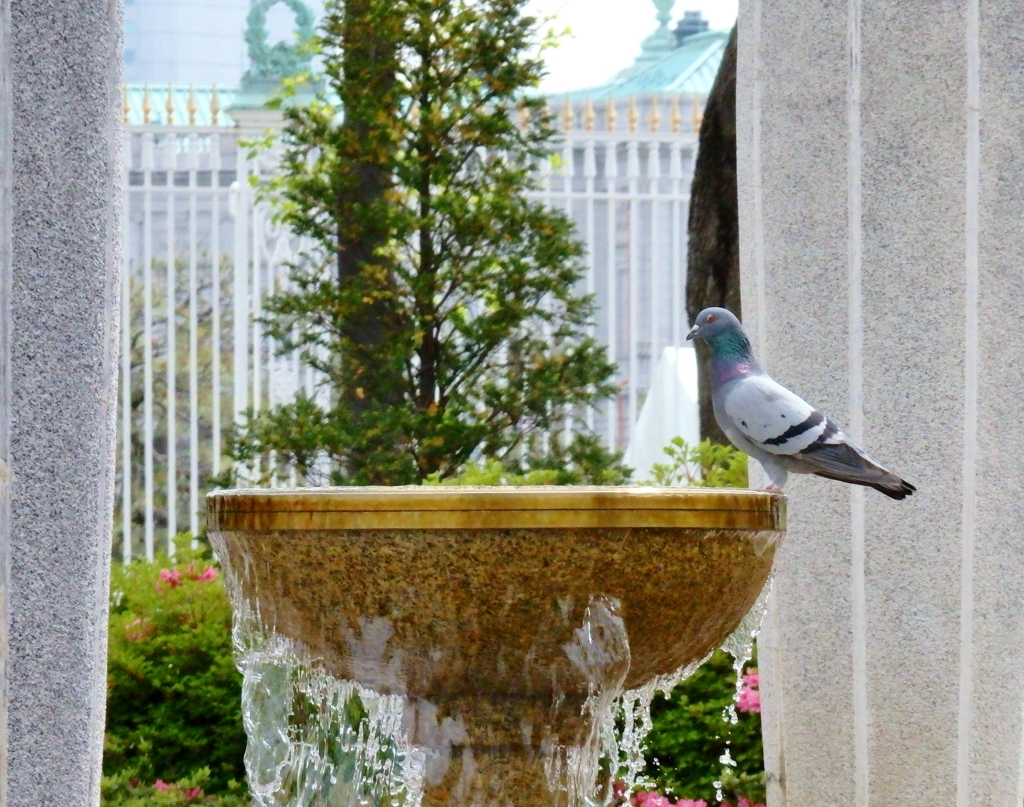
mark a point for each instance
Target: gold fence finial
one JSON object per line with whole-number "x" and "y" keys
{"x": 654, "y": 117}
{"x": 568, "y": 114}
{"x": 125, "y": 107}
{"x": 609, "y": 115}
{"x": 698, "y": 112}
{"x": 214, "y": 106}
{"x": 588, "y": 115}
{"x": 191, "y": 107}
{"x": 169, "y": 106}
{"x": 147, "y": 104}
{"x": 675, "y": 115}
{"x": 633, "y": 116}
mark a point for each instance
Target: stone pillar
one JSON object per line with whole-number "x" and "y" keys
{"x": 882, "y": 234}
{"x": 60, "y": 308}
{"x": 5, "y": 409}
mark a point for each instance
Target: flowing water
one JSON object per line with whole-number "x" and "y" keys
{"x": 316, "y": 740}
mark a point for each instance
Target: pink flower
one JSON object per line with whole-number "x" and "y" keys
{"x": 134, "y": 636}
{"x": 750, "y": 701}
{"x": 208, "y": 575}
{"x": 652, "y": 799}
{"x": 643, "y": 798}
{"x": 160, "y": 784}
{"x": 194, "y": 793}
{"x": 750, "y": 696}
{"x": 172, "y": 576}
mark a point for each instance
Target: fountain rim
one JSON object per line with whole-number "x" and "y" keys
{"x": 489, "y": 508}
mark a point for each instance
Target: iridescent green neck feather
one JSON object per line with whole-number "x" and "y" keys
{"x": 731, "y": 357}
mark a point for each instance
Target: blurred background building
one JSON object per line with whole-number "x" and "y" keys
{"x": 199, "y": 42}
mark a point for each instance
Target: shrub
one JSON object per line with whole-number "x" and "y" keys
{"x": 123, "y": 790}
{"x": 693, "y": 728}
{"x": 706, "y": 464}
{"x": 173, "y": 692}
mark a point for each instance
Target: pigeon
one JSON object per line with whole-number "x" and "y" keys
{"x": 776, "y": 427}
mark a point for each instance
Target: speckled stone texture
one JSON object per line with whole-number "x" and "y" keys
{"x": 5, "y": 410}
{"x": 892, "y": 658}
{"x": 64, "y": 106}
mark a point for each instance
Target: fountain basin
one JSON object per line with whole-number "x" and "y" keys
{"x": 504, "y": 620}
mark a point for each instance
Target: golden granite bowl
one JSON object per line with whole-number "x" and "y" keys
{"x": 504, "y": 609}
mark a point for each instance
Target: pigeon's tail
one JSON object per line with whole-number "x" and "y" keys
{"x": 847, "y": 463}
{"x": 894, "y": 487}
{"x": 897, "y": 488}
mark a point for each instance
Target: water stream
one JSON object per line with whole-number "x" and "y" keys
{"x": 318, "y": 740}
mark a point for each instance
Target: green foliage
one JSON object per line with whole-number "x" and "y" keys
{"x": 124, "y": 790}
{"x": 584, "y": 462}
{"x": 692, "y": 730}
{"x": 493, "y": 473}
{"x": 705, "y": 465}
{"x": 439, "y": 301}
{"x": 737, "y": 784}
{"x": 173, "y": 692}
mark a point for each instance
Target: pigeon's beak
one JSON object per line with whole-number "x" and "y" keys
{"x": 693, "y": 332}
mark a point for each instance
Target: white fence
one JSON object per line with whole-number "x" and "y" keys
{"x": 200, "y": 255}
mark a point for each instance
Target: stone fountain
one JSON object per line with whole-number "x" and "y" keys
{"x": 443, "y": 646}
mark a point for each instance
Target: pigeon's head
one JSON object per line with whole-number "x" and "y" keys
{"x": 714, "y": 323}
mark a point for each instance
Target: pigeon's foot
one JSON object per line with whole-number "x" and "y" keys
{"x": 771, "y": 487}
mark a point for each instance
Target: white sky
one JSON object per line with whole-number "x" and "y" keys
{"x": 606, "y": 35}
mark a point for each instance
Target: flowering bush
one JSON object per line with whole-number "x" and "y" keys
{"x": 173, "y": 693}
{"x": 694, "y": 730}
{"x": 644, "y": 798}
{"x": 122, "y": 790}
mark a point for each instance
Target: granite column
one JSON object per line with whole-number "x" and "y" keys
{"x": 881, "y": 201}
{"x": 60, "y": 142}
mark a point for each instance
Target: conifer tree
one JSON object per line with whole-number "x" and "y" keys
{"x": 441, "y": 303}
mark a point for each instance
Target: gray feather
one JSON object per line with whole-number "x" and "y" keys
{"x": 845, "y": 462}
{"x": 786, "y": 434}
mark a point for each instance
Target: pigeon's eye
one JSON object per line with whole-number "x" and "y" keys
{"x": 711, "y": 317}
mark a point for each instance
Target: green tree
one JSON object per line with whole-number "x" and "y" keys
{"x": 441, "y": 303}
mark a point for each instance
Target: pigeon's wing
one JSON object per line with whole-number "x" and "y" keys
{"x": 775, "y": 419}
{"x": 782, "y": 423}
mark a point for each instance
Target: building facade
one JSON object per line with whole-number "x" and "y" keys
{"x": 200, "y": 42}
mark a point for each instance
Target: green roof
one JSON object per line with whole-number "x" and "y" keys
{"x": 689, "y": 69}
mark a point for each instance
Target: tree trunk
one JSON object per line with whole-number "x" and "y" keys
{"x": 371, "y": 36}
{"x": 713, "y": 260}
